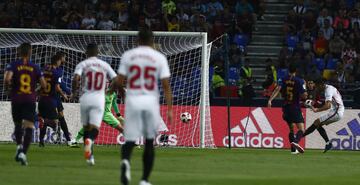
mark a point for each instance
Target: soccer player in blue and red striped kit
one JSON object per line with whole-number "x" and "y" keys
{"x": 21, "y": 77}
{"x": 48, "y": 102}
{"x": 293, "y": 90}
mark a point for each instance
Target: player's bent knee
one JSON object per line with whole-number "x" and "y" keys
{"x": 317, "y": 123}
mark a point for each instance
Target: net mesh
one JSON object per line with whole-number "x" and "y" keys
{"x": 184, "y": 54}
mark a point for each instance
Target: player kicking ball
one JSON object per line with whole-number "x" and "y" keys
{"x": 48, "y": 99}
{"x": 109, "y": 118}
{"x": 334, "y": 103}
{"x": 143, "y": 67}
{"x": 93, "y": 73}
{"x": 21, "y": 77}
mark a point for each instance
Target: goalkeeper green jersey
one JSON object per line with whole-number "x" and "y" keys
{"x": 111, "y": 102}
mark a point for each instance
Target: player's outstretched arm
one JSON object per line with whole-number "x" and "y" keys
{"x": 168, "y": 98}
{"x": 273, "y": 95}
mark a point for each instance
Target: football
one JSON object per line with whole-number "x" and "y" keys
{"x": 185, "y": 117}
{"x": 308, "y": 103}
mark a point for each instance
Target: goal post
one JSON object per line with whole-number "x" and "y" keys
{"x": 188, "y": 54}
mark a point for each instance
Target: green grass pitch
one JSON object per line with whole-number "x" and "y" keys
{"x": 60, "y": 165}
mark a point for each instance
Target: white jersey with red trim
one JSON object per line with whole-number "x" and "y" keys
{"x": 94, "y": 73}
{"x": 144, "y": 67}
{"x": 333, "y": 95}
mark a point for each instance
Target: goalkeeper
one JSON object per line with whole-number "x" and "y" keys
{"x": 108, "y": 118}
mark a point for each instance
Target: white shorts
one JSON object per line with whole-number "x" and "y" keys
{"x": 92, "y": 110}
{"x": 331, "y": 117}
{"x": 142, "y": 117}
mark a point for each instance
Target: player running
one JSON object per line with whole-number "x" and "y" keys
{"x": 21, "y": 77}
{"x": 93, "y": 73}
{"x": 293, "y": 89}
{"x": 48, "y": 99}
{"x": 108, "y": 118}
{"x": 143, "y": 67}
{"x": 333, "y": 101}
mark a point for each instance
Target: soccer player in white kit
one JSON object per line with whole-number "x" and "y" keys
{"x": 93, "y": 74}
{"x": 334, "y": 102}
{"x": 143, "y": 67}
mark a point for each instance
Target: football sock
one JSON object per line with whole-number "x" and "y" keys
{"x": 299, "y": 135}
{"x": 309, "y": 130}
{"x": 79, "y": 135}
{"x": 27, "y": 139}
{"x": 19, "y": 134}
{"x": 126, "y": 150}
{"x": 42, "y": 133}
{"x": 64, "y": 128}
{"x": 148, "y": 159}
{"x": 323, "y": 134}
{"x": 93, "y": 133}
{"x": 292, "y": 139}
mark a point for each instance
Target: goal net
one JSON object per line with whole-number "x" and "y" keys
{"x": 188, "y": 56}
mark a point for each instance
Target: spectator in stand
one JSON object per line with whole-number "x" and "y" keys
{"x": 152, "y": 11}
{"x": 354, "y": 38}
{"x": 327, "y": 30}
{"x": 344, "y": 33}
{"x": 182, "y": 16}
{"x": 168, "y": 7}
{"x": 348, "y": 54}
{"x": 341, "y": 19}
{"x": 245, "y": 84}
{"x": 122, "y": 15}
{"x": 217, "y": 29}
{"x": 199, "y": 23}
{"x": 227, "y": 18}
{"x": 292, "y": 40}
{"x": 241, "y": 40}
{"x": 259, "y": 8}
{"x": 106, "y": 23}
{"x": 173, "y": 24}
{"x": 299, "y": 8}
{"x": 135, "y": 12}
{"x": 215, "y": 8}
{"x": 324, "y": 15}
{"x": 313, "y": 72}
{"x": 73, "y": 22}
{"x": 244, "y": 10}
{"x": 103, "y": 11}
{"x": 292, "y": 22}
{"x": 89, "y": 21}
{"x": 198, "y": 7}
{"x": 336, "y": 46}
{"x": 245, "y": 22}
{"x": 271, "y": 80}
{"x": 217, "y": 80}
{"x": 309, "y": 21}
{"x": 320, "y": 44}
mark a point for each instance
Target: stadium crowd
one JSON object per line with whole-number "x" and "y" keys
{"x": 212, "y": 16}
{"x": 323, "y": 38}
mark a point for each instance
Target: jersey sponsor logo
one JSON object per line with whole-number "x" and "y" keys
{"x": 258, "y": 134}
{"x": 348, "y": 137}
